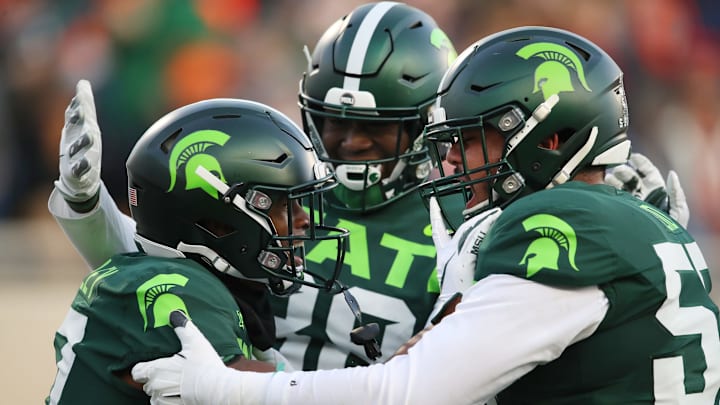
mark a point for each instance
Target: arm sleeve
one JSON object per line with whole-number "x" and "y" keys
{"x": 504, "y": 327}
{"x": 98, "y": 234}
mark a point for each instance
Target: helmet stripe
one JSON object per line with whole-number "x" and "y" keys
{"x": 362, "y": 42}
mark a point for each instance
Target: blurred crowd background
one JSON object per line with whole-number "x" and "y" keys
{"x": 146, "y": 57}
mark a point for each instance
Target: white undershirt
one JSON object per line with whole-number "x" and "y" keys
{"x": 98, "y": 234}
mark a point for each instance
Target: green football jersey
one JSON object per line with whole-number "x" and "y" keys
{"x": 659, "y": 338}
{"x": 120, "y": 316}
{"x": 390, "y": 269}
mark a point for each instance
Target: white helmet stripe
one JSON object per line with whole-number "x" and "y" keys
{"x": 362, "y": 41}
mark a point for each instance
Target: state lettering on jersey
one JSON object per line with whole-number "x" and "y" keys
{"x": 403, "y": 252}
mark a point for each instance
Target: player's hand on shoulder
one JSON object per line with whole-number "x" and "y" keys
{"x": 174, "y": 380}
{"x": 80, "y": 148}
{"x": 642, "y": 178}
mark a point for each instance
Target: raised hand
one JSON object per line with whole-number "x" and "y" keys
{"x": 80, "y": 148}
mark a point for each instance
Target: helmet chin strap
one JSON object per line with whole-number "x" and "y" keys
{"x": 538, "y": 115}
{"x": 355, "y": 177}
{"x": 364, "y": 180}
{"x": 564, "y": 174}
{"x": 237, "y": 200}
{"x": 220, "y": 264}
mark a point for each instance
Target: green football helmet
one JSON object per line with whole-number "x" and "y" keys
{"x": 203, "y": 179}
{"x": 528, "y": 84}
{"x": 382, "y": 63}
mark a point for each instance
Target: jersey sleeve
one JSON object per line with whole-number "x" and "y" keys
{"x": 98, "y": 234}
{"x": 574, "y": 236}
{"x": 132, "y": 296}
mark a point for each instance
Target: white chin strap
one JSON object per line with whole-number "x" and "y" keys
{"x": 354, "y": 177}
{"x": 237, "y": 201}
{"x": 564, "y": 174}
{"x": 220, "y": 264}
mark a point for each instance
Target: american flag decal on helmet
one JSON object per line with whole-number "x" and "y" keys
{"x": 132, "y": 196}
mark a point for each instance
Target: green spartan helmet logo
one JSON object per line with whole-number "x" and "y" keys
{"x": 553, "y": 75}
{"x": 544, "y": 252}
{"x": 190, "y": 151}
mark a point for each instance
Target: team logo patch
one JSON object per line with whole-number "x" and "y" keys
{"x": 191, "y": 153}
{"x": 544, "y": 251}
{"x": 553, "y": 75}
{"x": 155, "y": 297}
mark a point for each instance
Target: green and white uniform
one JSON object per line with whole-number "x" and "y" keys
{"x": 120, "y": 317}
{"x": 389, "y": 267}
{"x": 660, "y": 334}
{"x": 585, "y": 295}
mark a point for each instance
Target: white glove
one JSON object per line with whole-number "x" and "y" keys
{"x": 457, "y": 254}
{"x": 178, "y": 379}
{"x": 641, "y": 178}
{"x": 80, "y": 148}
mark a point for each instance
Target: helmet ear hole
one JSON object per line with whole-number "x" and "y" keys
{"x": 552, "y": 142}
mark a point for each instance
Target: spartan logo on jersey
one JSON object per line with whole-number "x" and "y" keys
{"x": 553, "y": 75}
{"x": 544, "y": 252}
{"x": 155, "y": 297}
{"x": 190, "y": 151}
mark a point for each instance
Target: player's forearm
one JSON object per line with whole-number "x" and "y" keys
{"x": 357, "y": 385}
{"x": 97, "y": 234}
{"x": 460, "y": 353}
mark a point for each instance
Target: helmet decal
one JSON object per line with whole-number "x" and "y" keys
{"x": 189, "y": 151}
{"x": 154, "y": 294}
{"x": 553, "y": 75}
{"x": 440, "y": 40}
{"x": 543, "y": 252}
{"x": 362, "y": 42}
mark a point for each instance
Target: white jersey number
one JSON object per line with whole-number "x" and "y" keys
{"x": 71, "y": 332}
{"x": 672, "y": 381}
{"x": 334, "y": 352}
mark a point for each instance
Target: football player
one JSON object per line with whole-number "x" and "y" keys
{"x": 583, "y": 293}
{"x": 215, "y": 189}
{"x": 364, "y": 100}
